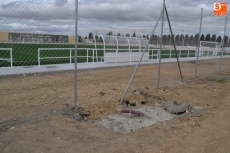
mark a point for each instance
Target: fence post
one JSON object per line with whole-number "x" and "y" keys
{"x": 93, "y": 57}
{"x": 116, "y": 55}
{"x": 11, "y": 58}
{"x": 143, "y": 58}
{"x": 130, "y": 56}
{"x": 157, "y": 54}
{"x": 188, "y": 53}
{"x": 162, "y": 28}
{"x": 198, "y": 49}
{"x": 170, "y": 53}
{"x": 77, "y": 116}
{"x": 87, "y": 56}
{"x": 226, "y": 20}
{"x": 70, "y": 56}
{"x": 38, "y": 57}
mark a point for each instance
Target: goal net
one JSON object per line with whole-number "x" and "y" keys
{"x": 208, "y": 48}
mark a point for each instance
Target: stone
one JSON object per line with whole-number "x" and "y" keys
{"x": 174, "y": 108}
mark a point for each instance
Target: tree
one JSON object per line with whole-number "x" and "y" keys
{"x": 127, "y": 35}
{"x": 100, "y": 39}
{"x": 164, "y": 39}
{"x": 143, "y": 36}
{"x": 225, "y": 40}
{"x": 169, "y": 40}
{"x": 79, "y": 39}
{"x": 90, "y": 35}
{"x": 202, "y": 37}
{"x": 177, "y": 39}
{"x": 191, "y": 40}
{"x": 196, "y": 38}
{"x": 218, "y": 39}
{"x": 208, "y": 37}
{"x": 181, "y": 39}
{"x": 134, "y": 34}
{"x": 118, "y": 34}
{"x": 147, "y": 37}
{"x": 213, "y": 38}
{"x": 186, "y": 39}
{"x": 109, "y": 33}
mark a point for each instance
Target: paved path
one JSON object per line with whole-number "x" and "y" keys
{"x": 26, "y": 70}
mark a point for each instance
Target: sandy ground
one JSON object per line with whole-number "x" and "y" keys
{"x": 51, "y": 98}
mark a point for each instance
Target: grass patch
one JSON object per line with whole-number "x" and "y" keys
{"x": 218, "y": 80}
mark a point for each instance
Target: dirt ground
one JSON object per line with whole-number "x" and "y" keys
{"x": 49, "y": 98}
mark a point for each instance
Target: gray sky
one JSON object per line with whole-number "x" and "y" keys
{"x": 102, "y": 16}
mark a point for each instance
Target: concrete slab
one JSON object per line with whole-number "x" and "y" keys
{"x": 125, "y": 123}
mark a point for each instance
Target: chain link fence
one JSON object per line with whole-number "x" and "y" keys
{"x": 37, "y": 53}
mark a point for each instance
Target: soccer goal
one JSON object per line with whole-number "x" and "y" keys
{"x": 208, "y": 48}
{"x": 6, "y": 56}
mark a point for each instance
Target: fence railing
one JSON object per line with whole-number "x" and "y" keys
{"x": 92, "y": 55}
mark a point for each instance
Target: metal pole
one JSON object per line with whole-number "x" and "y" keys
{"x": 11, "y": 58}
{"x": 38, "y": 57}
{"x": 131, "y": 79}
{"x": 198, "y": 51}
{"x": 157, "y": 22}
{"x": 162, "y": 27}
{"x": 174, "y": 45}
{"x": 226, "y": 20}
{"x": 75, "y": 59}
{"x": 70, "y": 56}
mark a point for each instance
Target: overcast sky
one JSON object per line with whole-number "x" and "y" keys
{"x": 102, "y": 16}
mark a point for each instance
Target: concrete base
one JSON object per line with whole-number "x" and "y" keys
{"x": 125, "y": 123}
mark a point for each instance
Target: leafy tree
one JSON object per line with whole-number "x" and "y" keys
{"x": 218, "y": 39}
{"x": 213, "y": 38}
{"x": 147, "y": 37}
{"x": 202, "y": 37}
{"x": 90, "y": 35}
{"x": 109, "y": 33}
{"x": 177, "y": 39}
{"x": 152, "y": 40}
{"x": 196, "y": 38}
{"x": 127, "y": 35}
{"x": 190, "y": 40}
{"x": 181, "y": 39}
{"x": 172, "y": 38}
{"x": 164, "y": 39}
{"x": 208, "y": 37}
{"x": 79, "y": 39}
{"x": 225, "y": 40}
{"x": 186, "y": 39}
{"x": 118, "y": 34}
{"x": 134, "y": 34}
{"x": 100, "y": 39}
{"x": 169, "y": 40}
